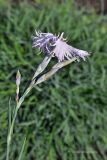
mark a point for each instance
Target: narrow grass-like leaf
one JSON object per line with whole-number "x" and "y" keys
{"x": 22, "y": 149}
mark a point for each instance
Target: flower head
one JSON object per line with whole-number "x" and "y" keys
{"x": 44, "y": 41}
{"x": 57, "y": 46}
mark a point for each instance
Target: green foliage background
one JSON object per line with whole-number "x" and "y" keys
{"x": 64, "y": 118}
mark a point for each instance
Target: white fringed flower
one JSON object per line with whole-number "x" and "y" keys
{"x": 64, "y": 51}
{"x": 57, "y": 46}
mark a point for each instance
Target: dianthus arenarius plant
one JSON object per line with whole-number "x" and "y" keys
{"x": 51, "y": 46}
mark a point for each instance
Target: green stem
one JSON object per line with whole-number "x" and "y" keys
{"x": 14, "y": 118}
{"x": 54, "y": 69}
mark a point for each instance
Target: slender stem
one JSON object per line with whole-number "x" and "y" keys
{"x": 10, "y": 134}
{"x": 14, "y": 118}
{"x": 54, "y": 69}
{"x": 40, "y": 69}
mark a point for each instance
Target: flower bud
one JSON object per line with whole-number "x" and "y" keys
{"x": 18, "y": 78}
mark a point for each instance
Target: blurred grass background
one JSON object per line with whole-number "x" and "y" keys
{"x": 66, "y": 117}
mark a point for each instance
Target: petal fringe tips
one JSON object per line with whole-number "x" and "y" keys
{"x": 56, "y": 46}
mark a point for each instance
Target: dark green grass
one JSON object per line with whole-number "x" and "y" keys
{"x": 64, "y": 118}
